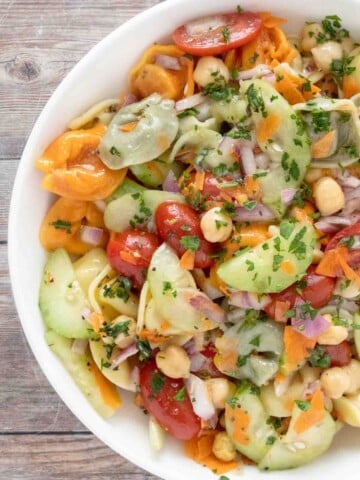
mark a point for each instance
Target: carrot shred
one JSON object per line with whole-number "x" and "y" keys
{"x": 312, "y": 416}
{"x": 96, "y": 320}
{"x": 187, "y": 260}
{"x": 267, "y": 127}
{"x": 230, "y": 59}
{"x": 107, "y": 389}
{"x": 128, "y": 127}
{"x": 296, "y": 348}
{"x": 241, "y": 422}
{"x": 322, "y": 148}
{"x": 304, "y": 214}
{"x": 270, "y": 21}
{"x": 295, "y": 89}
{"x": 349, "y": 273}
{"x": 330, "y": 265}
{"x": 152, "y": 335}
{"x": 199, "y": 449}
{"x": 199, "y": 180}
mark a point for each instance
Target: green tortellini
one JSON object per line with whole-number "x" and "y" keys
{"x": 155, "y": 126}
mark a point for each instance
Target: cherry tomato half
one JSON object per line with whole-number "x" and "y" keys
{"x": 317, "y": 292}
{"x": 168, "y": 401}
{"x": 340, "y": 355}
{"x": 345, "y": 232}
{"x": 217, "y": 33}
{"x": 210, "y": 191}
{"x": 179, "y": 226}
{"x": 130, "y": 252}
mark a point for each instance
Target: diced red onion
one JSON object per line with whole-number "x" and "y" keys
{"x": 307, "y": 326}
{"x": 85, "y": 314}
{"x": 247, "y": 160}
{"x": 205, "y": 284}
{"x": 348, "y": 180}
{"x": 189, "y": 102}
{"x": 199, "y": 395}
{"x": 332, "y": 223}
{"x": 310, "y": 388}
{"x": 91, "y": 235}
{"x": 249, "y": 300}
{"x": 203, "y": 111}
{"x": 260, "y": 213}
{"x": 270, "y": 77}
{"x": 287, "y": 196}
{"x": 351, "y": 206}
{"x": 170, "y": 183}
{"x": 100, "y": 205}
{"x": 256, "y": 72}
{"x": 167, "y": 61}
{"x": 262, "y": 161}
{"x": 129, "y": 99}
{"x": 197, "y": 362}
{"x": 123, "y": 355}
{"x": 79, "y": 346}
{"x": 228, "y": 145}
{"x": 207, "y": 307}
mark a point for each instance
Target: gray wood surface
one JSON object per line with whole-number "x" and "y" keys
{"x": 40, "y": 41}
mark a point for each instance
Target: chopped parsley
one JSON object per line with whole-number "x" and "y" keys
{"x": 201, "y": 156}
{"x": 225, "y": 32}
{"x": 220, "y": 223}
{"x": 270, "y": 440}
{"x": 190, "y": 242}
{"x": 351, "y": 150}
{"x": 249, "y": 204}
{"x": 256, "y": 101}
{"x": 319, "y": 357}
{"x": 104, "y": 364}
{"x": 143, "y": 209}
{"x": 114, "y": 330}
{"x": 320, "y": 121}
{"x": 297, "y": 245}
{"x": 251, "y": 265}
{"x": 333, "y": 28}
{"x": 341, "y": 67}
{"x": 144, "y": 349}
{"x": 119, "y": 288}
{"x": 157, "y": 383}
{"x": 168, "y": 288}
{"x": 180, "y": 394}
{"x": 115, "y": 151}
{"x": 239, "y": 131}
{"x": 188, "y": 112}
{"x": 347, "y": 241}
{"x": 241, "y": 360}
{"x": 303, "y": 405}
{"x": 255, "y": 341}
{"x": 219, "y": 89}
{"x": 228, "y": 208}
{"x": 61, "y": 225}
{"x": 277, "y": 261}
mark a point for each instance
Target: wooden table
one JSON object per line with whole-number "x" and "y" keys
{"x": 40, "y": 41}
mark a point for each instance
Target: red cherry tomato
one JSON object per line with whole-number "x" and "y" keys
{"x": 340, "y": 355}
{"x": 217, "y": 33}
{"x": 210, "y": 191}
{"x": 130, "y": 252}
{"x": 175, "y": 221}
{"x": 167, "y": 400}
{"x": 317, "y": 292}
{"x": 345, "y": 232}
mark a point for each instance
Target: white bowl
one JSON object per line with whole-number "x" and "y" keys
{"x": 100, "y": 74}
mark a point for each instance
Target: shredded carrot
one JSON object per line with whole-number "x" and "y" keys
{"x": 107, "y": 389}
{"x": 314, "y": 415}
{"x": 304, "y": 214}
{"x": 252, "y": 187}
{"x": 330, "y": 265}
{"x": 128, "y": 127}
{"x": 349, "y": 273}
{"x": 281, "y": 307}
{"x": 287, "y": 267}
{"x": 152, "y": 335}
{"x": 241, "y": 422}
{"x": 322, "y": 148}
{"x": 267, "y": 127}
{"x": 96, "y": 320}
{"x": 199, "y": 449}
{"x": 199, "y": 180}
{"x": 269, "y": 21}
{"x": 230, "y": 59}
{"x": 247, "y": 236}
{"x": 187, "y": 260}
{"x": 294, "y": 88}
{"x": 296, "y": 348}
{"x": 350, "y": 86}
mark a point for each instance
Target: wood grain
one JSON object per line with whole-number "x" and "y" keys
{"x": 40, "y": 41}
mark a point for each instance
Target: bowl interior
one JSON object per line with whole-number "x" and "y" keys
{"x": 100, "y": 74}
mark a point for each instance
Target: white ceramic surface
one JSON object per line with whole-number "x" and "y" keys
{"x": 100, "y": 74}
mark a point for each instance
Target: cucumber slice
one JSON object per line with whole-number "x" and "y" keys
{"x": 61, "y": 299}
{"x": 273, "y": 265}
{"x": 295, "y": 449}
{"x": 78, "y": 367}
{"x": 134, "y": 209}
{"x": 127, "y": 186}
{"x": 259, "y": 434}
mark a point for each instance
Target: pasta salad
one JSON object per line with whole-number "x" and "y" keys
{"x": 204, "y": 244}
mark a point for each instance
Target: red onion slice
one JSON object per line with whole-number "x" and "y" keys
{"x": 287, "y": 196}
{"x": 167, "y": 61}
{"x": 91, "y": 235}
{"x": 79, "y": 346}
{"x": 260, "y": 213}
{"x": 207, "y": 307}
{"x": 199, "y": 395}
{"x": 170, "y": 183}
{"x": 332, "y": 223}
{"x": 197, "y": 362}
{"x": 123, "y": 355}
{"x": 247, "y": 160}
{"x": 249, "y": 300}
{"x": 307, "y": 326}
{"x": 256, "y": 72}
{"x": 189, "y": 102}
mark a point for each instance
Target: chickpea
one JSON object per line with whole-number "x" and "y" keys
{"x": 353, "y": 370}
{"x": 206, "y": 69}
{"x": 121, "y": 331}
{"x": 328, "y": 195}
{"x": 173, "y": 361}
{"x": 223, "y": 448}
{"x": 220, "y": 389}
{"x": 313, "y": 174}
{"x": 215, "y": 226}
{"x": 335, "y": 382}
{"x": 325, "y": 53}
{"x": 309, "y": 35}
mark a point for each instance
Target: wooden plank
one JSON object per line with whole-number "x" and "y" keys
{"x": 8, "y": 172}
{"x": 55, "y": 457}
